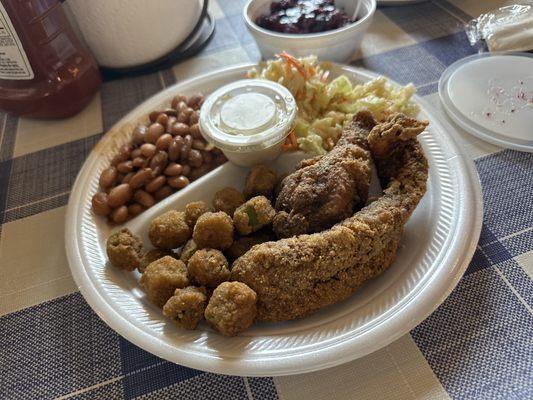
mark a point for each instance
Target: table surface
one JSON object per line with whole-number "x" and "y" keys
{"x": 477, "y": 344}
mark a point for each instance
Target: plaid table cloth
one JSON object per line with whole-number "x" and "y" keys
{"x": 477, "y": 345}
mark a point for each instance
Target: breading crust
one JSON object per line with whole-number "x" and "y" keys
{"x": 296, "y": 276}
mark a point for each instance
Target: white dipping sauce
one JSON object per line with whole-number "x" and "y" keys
{"x": 247, "y": 112}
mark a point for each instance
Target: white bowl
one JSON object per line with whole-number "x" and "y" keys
{"x": 336, "y": 45}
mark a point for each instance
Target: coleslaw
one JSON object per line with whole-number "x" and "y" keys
{"x": 325, "y": 106}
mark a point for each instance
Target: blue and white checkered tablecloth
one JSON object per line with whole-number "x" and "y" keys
{"x": 477, "y": 345}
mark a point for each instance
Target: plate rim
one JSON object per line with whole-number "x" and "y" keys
{"x": 427, "y": 299}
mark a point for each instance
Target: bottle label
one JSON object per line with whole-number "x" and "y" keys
{"x": 14, "y": 63}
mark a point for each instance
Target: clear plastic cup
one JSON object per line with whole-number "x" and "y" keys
{"x": 248, "y": 120}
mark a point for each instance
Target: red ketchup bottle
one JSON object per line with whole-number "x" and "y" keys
{"x": 44, "y": 70}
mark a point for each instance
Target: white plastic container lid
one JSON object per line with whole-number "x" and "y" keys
{"x": 248, "y": 115}
{"x": 490, "y": 95}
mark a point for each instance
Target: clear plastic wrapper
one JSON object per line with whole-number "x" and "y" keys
{"x": 508, "y": 28}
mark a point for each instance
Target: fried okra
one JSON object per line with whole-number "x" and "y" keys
{"x": 124, "y": 250}
{"x": 253, "y": 215}
{"x": 169, "y": 230}
{"x": 214, "y": 230}
{"x": 208, "y": 267}
{"x": 227, "y": 200}
{"x": 152, "y": 255}
{"x": 260, "y": 181}
{"x": 193, "y": 211}
{"x": 232, "y": 308}
{"x": 188, "y": 250}
{"x": 162, "y": 277}
{"x": 243, "y": 244}
{"x": 186, "y": 307}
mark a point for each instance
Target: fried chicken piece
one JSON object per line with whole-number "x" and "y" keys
{"x": 327, "y": 189}
{"x": 297, "y": 276}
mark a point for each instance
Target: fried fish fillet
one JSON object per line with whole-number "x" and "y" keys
{"x": 294, "y": 277}
{"x": 327, "y": 189}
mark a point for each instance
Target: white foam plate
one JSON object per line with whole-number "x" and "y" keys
{"x": 491, "y": 97}
{"x": 437, "y": 245}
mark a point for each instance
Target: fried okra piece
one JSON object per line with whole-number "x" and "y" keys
{"x": 232, "y": 308}
{"x": 253, "y": 215}
{"x": 162, "y": 277}
{"x": 152, "y": 255}
{"x": 260, "y": 181}
{"x": 169, "y": 230}
{"x": 124, "y": 250}
{"x": 243, "y": 244}
{"x": 193, "y": 211}
{"x": 188, "y": 250}
{"x": 214, "y": 230}
{"x": 186, "y": 307}
{"x": 227, "y": 200}
{"x": 208, "y": 267}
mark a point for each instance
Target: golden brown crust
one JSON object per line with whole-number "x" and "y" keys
{"x": 208, "y": 267}
{"x": 253, "y": 215}
{"x": 169, "y": 230}
{"x": 162, "y": 277}
{"x": 327, "y": 189}
{"x": 227, "y": 200}
{"x": 193, "y": 211}
{"x": 152, "y": 255}
{"x": 186, "y": 307}
{"x": 124, "y": 250}
{"x": 296, "y": 276}
{"x": 260, "y": 181}
{"x": 213, "y": 230}
{"x": 232, "y": 308}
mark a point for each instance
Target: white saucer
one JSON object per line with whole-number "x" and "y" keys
{"x": 491, "y": 97}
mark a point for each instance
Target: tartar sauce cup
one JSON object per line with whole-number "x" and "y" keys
{"x": 248, "y": 120}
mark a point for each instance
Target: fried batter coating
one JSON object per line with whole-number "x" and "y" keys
{"x": 227, "y": 200}
{"x": 253, "y": 215}
{"x": 213, "y": 230}
{"x": 152, "y": 255}
{"x": 328, "y": 189}
{"x": 245, "y": 243}
{"x": 124, "y": 250}
{"x": 186, "y": 307}
{"x": 232, "y": 308}
{"x": 260, "y": 181}
{"x": 208, "y": 267}
{"x": 296, "y": 276}
{"x": 188, "y": 250}
{"x": 193, "y": 211}
{"x": 169, "y": 230}
{"x": 162, "y": 277}
{"x": 286, "y": 225}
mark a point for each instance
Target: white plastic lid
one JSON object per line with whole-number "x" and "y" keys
{"x": 490, "y": 95}
{"x": 248, "y": 114}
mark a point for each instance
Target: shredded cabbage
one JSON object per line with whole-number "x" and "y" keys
{"x": 326, "y": 106}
